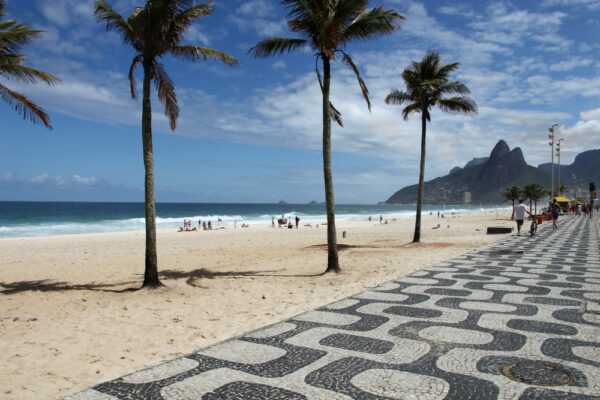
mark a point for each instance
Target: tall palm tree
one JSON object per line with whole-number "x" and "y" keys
{"x": 533, "y": 192}
{"x": 14, "y": 36}
{"x": 327, "y": 26}
{"x": 427, "y": 81}
{"x": 154, "y": 30}
{"x": 512, "y": 193}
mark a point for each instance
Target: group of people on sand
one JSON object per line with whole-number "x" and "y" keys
{"x": 285, "y": 221}
{"x": 205, "y": 225}
{"x": 381, "y": 220}
{"x": 202, "y": 225}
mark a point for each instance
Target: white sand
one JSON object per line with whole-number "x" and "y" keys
{"x": 66, "y": 326}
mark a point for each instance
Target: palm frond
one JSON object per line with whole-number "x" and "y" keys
{"x": 197, "y": 53}
{"x": 363, "y": 86}
{"x": 16, "y": 36}
{"x": 303, "y": 9}
{"x": 318, "y": 73}
{"x": 371, "y": 23}
{"x": 5, "y": 25}
{"x": 336, "y": 115}
{"x": 459, "y": 104}
{"x": 25, "y": 107}
{"x": 27, "y": 74}
{"x": 445, "y": 70}
{"x": 413, "y": 107}
{"x": 166, "y": 93}
{"x": 114, "y": 21}
{"x": 276, "y": 46}
{"x": 136, "y": 60}
{"x": 455, "y": 87}
{"x": 182, "y": 21}
{"x": 396, "y": 97}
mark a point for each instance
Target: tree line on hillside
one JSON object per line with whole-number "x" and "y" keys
{"x": 325, "y": 27}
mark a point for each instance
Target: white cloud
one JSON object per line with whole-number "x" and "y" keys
{"x": 40, "y": 178}
{"x": 83, "y": 180}
{"x": 570, "y": 64}
{"x": 592, "y": 4}
{"x": 258, "y": 15}
{"x": 591, "y": 115}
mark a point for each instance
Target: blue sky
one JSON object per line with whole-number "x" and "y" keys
{"x": 253, "y": 133}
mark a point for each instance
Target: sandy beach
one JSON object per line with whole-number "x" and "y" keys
{"x": 68, "y": 322}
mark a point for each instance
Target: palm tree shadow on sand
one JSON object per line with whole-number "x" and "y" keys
{"x": 203, "y": 273}
{"x": 46, "y": 285}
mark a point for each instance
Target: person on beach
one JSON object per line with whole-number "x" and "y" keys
{"x": 209, "y": 226}
{"x": 555, "y": 208}
{"x": 297, "y": 221}
{"x": 204, "y": 225}
{"x": 272, "y": 222}
{"x": 519, "y": 214}
{"x": 380, "y": 219}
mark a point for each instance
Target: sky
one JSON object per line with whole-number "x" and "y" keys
{"x": 252, "y": 133}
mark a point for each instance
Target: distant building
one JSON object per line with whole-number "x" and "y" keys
{"x": 467, "y": 197}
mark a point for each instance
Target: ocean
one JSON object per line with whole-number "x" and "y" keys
{"x": 20, "y": 218}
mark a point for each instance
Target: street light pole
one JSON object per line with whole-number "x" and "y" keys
{"x": 558, "y": 157}
{"x": 551, "y": 143}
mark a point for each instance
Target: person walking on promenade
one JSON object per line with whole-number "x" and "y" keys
{"x": 555, "y": 208}
{"x": 519, "y": 215}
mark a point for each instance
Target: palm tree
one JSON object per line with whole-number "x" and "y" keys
{"x": 13, "y": 36}
{"x": 533, "y": 192}
{"x": 327, "y": 26}
{"x": 512, "y": 193}
{"x": 562, "y": 189}
{"x": 426, "y": 82}
{"x": 154, "y": 30}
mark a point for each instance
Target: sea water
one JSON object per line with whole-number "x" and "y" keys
{"x": 56, "y": 218}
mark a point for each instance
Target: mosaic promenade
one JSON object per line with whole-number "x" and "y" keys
{"x": 518, "y": 319}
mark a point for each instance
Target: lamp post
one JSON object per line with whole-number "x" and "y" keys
{"x": 558, "y": 157}
{"x": 551, "y": 143}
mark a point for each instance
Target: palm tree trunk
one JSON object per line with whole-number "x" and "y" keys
{"x": 333, "y": 264}
{"x": 417, "y": 237}
{"x": 151, "y": 272}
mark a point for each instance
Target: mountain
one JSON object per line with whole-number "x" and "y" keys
{"x": 473, "y": 162}
{"x": 476, "y": 161}
{"x": 484, "y": 178}
{"x": 586, "y": 168}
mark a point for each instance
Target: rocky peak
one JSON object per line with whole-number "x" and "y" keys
{"x": 500, "y": 150}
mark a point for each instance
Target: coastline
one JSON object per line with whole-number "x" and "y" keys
{"x": 67, "y": 320}
{"x": 27, "y": 219}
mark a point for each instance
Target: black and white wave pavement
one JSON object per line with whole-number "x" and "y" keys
{"x": 518, "y": 319}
